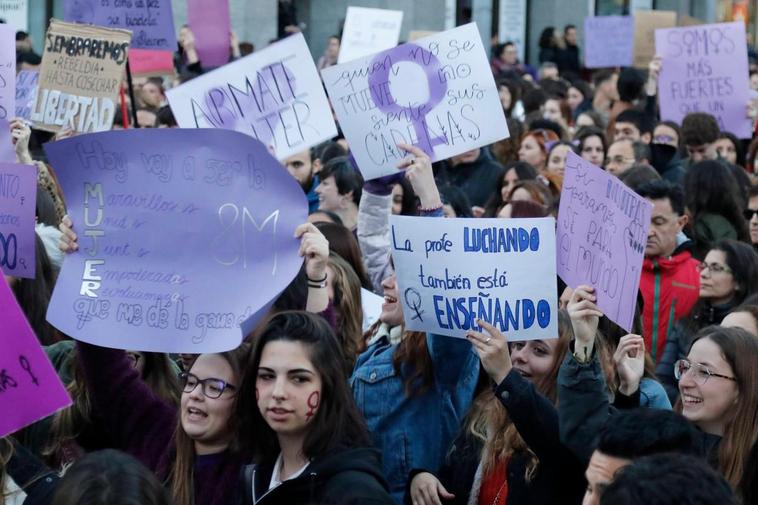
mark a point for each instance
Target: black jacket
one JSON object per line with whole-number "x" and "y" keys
{"x": 341, "y": 477}
{"x": 30, "y": 474}
{"x": 478, "y": 180}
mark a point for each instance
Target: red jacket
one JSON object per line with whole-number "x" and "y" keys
{"x": 670, "y": 288}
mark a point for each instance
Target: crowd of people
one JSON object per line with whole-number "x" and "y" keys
{"x": 315, "y": 408}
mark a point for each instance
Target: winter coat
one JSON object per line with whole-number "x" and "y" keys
{"x": 478, "y": 180}
{"x": 37, "y": 483}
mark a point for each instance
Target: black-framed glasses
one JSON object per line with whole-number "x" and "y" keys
{"x": 211, "y": 387}
{"x": 701, "y": 372}
{"x": 749, "y": 213}
{"x": 713, "y": 268}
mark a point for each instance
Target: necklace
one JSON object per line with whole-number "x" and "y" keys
{"x": 499, "y": 491}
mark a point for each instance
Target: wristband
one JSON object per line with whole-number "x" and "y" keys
{"x": 317, "y": 283}
{"x": 430, "y": 209}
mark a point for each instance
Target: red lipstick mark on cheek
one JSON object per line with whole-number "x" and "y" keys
{"x": 313, "y": 402}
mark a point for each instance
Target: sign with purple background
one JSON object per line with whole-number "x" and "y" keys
{"x": 29, "y": 387}
{"x": 211, "y": 25}
{"x": 7, "y": 71}
{"x": 150, "y": 21}
{"x": 608, "y": 41}
{"x": 18, "y": 200}
{"x": 601, "y": 237}
{"x": 184, "y": 236}
{"x": 7, "y": 149}
{"x": 705, "y": 69}
{"x": 274, "y": 95}
{"x": 437, "y": 93}
{"x": 26, "y": 93}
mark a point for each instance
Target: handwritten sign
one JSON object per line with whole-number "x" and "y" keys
{"x": 7, "y": 71}
{"x": 608, "y": 41}
{"x": 150, "y": 21}
{"x": 15, "y": 13}
{"x": 602, "y": 231}
{"x": 146, "y": 63}
{"x": 368, "y": 31}
{"x": 437, "y": 93}
{"x": 452, "y": 271}
{"x": 184, "y": 235}
{"x": 705, "y": 69}
{"x": 18, "y": 200}
{"x": 645, "y": 24}
{"x": 274, "y": 95}
{"x": 29, "y": 387}
{"x": 81, "y": 70}
{"x": 211, "y": 25}
{"x": 26, "y": 92}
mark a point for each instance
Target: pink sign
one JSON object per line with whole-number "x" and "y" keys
{"x": 211, "y": 25}
{"x": 147, "y": 62}
{"x": 29, "y": 387}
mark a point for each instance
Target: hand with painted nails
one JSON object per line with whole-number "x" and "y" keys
{"x": 492, "y": 349}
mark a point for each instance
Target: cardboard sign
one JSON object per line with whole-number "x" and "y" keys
{"x": 608, "y": 41}
{"x": 274, "y": 95}
{"x": 705, "y": 69}
{"x": 26, "y": 92}
{"x": 7, "y": 71}
{"x": 452, "y": 271}
{"x": 368, "y": 31}
{"x": 146, "y": 63}
{"x": 79, "y": 78}
{"x": 185, "y": 238}
{"x": 150, "y": 21}
{"x": 437, "y": 93}
{"x": 18, "y": 200}
{"x": 16, "y": 14}
{"x": 645, "y": 24}
{"x": 211, "y": 26}
{"x": 602, "y": 232}
{"x": 29, "y": 386}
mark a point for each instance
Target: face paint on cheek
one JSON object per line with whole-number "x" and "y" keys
{"x": 313, "y": 402}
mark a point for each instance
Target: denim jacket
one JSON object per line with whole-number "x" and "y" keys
{"x": 414, "y": 432}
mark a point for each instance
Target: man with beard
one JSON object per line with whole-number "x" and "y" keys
{"x": 300, "y": 166}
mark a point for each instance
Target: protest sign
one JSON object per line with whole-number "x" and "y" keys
{"x": 145, "y": 63}
{"x": 211, "y": 26}
{"x": 452, "y": 271}
{"x": 437, "y": 93}
{"x": 645, "y": 24}
{"x": 79, "y": 78}
{"x": 602, "y": 232}
{"x": 372, "y": 307}
{"x": 7, "y": 149}
{"x": 26, "y": 92}
{"x": 15, "y": 13}
{"x": 608, "y": 41}
{"x": 705, "y": 69}
{"x": 368, "y": 31}
{"x": 274, "y": 95}
{"x": 18, "y": 200}
{"x": 184, "y": 236}
{"x": 150, "y": 21}
{"x": 7, "y": 71}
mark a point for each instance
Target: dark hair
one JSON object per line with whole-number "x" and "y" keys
{"x": 639, "y": 119}
{"x": 568, "y": 27}
{"x": 586, "y": 132}
{"x": 527, "y": 208}
{"x": 513, "y": 88}
{"x": 638, "y": 175}
{"x": 742, "y": 260}
{"x": 533, "y": 99}
{"x": 524, "y": 171}
{"x": 668, "y": 479}
{"x": 295, "y": 295}
{"x": 109, "y": 477}
{"x": 699, "y": 128}
{"x": 630, "y": 434}
{"x": 546, "y": 124}
{"x": 597, "y": 119}
{"x": 345, "y": 176}
{"x": 583, "y": 88}
{"x": 602, "y": 75}
{"x": 630, "y": 84}
{"x": 547, "y": 37}
{"x": 457, "y": 199}
{"x": 333, "y": 216}
{"x": 739, "y": 149}
{"x": 165, "y": 117}
{"x": 327, "y": 151}
{"x": 660, "y": 190}
{"x": 641, "y": 151}
{"x": 410, "y": 202}
{"x": 345, "y": 245}
{"x": 674, "y": 126}
{"x": 33, "y": 295}
{"x": 46, "y": 212}
{"x": 337, "y": 423}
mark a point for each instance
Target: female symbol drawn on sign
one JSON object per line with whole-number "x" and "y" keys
{"x": 28, "y": 367}
{"x": 413, "y": 301}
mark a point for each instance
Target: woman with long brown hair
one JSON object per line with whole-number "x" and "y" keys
{"x": 344, "y": 290}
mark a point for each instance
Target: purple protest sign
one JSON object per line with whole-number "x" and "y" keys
{"x": 211, "y": 25}
{"x": 7, "y": 149}
{"x": 18, "y": 199}
{"x": 29, "y": 387}
{"x": 7, "y": 71}
{"x": 602, "y": 232}
{"x": 26, "y": 93}
{"x": 608, "y": 41}
{"x": 151, "y": 21}
{"x": 705, "y": 69}
{"x": 184, "y": 235}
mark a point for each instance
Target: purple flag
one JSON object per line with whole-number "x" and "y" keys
{"x": 18, "y": 200}
{"x": 211, "y": 25}
{"x": 184, "y": 235}
{"x": 608, "y": 41}
{"x": 705, "y": 69}
{"x": 151, "y": 21}
{"x": 602, "y": 232}
{"x": 26, "y": 93}
{"x": 29, "y": 387}
{"x": 7, "y": 71}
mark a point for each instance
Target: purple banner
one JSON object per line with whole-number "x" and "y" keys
{"x": 18, "y": 201}
{"x": 7, "y": 71}
{"x": 29, "y": 387}
{"x": 705, "y": 69}
{"x": 184, "y": 236}
{"x": 608, "y": 41}
{"x": 602, "y": 232}
{"x": 150, "y": 21}
{"x": 211, "y": 25}
{"x": 26, "y": 93}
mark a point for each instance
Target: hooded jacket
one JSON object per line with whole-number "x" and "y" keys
{"x": 341, "y": 477}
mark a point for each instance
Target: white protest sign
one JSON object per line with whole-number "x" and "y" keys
{"x": 372, "y": 307}
{"x": 274, "y": 95}
{"x": 437, "y": 93}
{"x": 15, "y": 13}
{"x": 368, "y": 31}
{"x": 452, "y": 271}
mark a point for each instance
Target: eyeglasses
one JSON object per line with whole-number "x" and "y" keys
{"x": 713, "y": 268}
{"x": 212, "y": 388}
{"x": 663, "y": 139}
{"x": 134, "y": 358}
{"x": 701, "y": 372}
{"x": 749, "y": 213}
